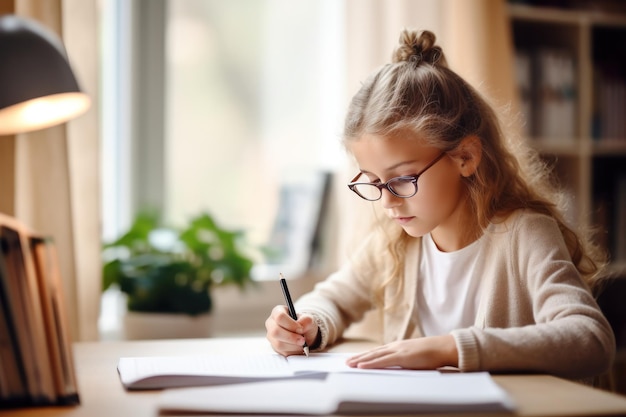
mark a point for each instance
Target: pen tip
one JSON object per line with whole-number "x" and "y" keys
{"x": 306, "y": 351}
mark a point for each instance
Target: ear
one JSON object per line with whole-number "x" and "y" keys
{"x": 467, "y": 155}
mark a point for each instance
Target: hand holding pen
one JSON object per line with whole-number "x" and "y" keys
{"x": 292, "y": 310}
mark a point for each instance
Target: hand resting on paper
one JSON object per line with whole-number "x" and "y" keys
{"x": 287, "y": 335}
{"x": 422, "y": 353}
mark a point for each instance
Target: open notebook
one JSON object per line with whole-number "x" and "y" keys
{"x": 157, "y": 372}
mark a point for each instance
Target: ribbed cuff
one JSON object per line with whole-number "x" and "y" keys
{"x": 323, "y": 331}
{"x": 467, "y": 347}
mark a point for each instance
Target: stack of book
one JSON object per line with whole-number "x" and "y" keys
{"x": 36, "y": 361}
{"x": 547, "y": 79}
{"x": 609, "y": 123}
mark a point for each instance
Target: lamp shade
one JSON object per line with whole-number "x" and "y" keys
{"x": 37, "y": 86}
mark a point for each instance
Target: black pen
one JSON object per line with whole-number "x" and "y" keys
{"x": 292, "y": 310}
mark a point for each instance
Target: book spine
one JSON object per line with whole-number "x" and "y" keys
{"x": 36, "y": 365}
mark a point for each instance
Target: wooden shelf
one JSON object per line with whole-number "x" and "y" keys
{"x": 588, "y": 156}
{"x": 567, "y": 147}
{"x": 610, "y": 147}
{"x": 618, "y": 269}
{"x": 554, "y": 15}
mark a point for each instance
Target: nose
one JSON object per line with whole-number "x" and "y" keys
{"x": 388, "y": 200}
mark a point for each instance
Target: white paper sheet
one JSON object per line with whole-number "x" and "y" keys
{"x": 154, "y": 372}
{"x": 346, "y": 393}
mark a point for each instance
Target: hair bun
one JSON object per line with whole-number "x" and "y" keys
{"x": 417, "y": 47}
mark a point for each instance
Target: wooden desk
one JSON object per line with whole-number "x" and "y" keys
{"x": 103, "y": 395}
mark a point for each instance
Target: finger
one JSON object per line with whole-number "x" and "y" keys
{"x": 285, "y": 348}
{"x": 377, "y": 358}
{"x": 308, "y": 324}
{"x": 283, "y": 341}
{"x": 282, "y": 335}
{"x": 378, "y": 362}
{"x": 310, "y": 330}
{"x": 281, "y": 316}
{"x": 369, "y": 353}
{"x": 306, "y": 321}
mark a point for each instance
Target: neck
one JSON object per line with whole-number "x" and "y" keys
{"x": 459, "y": 231}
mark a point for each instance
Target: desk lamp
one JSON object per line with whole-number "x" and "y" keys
{"x": 37, "y": 86}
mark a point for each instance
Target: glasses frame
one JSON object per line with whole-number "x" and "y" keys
{"x": 413, "y": 178}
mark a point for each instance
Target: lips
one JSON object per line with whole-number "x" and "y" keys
{"x": 403, "y": 220}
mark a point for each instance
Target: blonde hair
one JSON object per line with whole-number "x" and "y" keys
{"x": 418, "y": 92}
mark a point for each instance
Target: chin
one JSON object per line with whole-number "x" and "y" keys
{"x": 415, "y": 232}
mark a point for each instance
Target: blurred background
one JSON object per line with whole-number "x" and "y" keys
{"x": 235, "y": 108}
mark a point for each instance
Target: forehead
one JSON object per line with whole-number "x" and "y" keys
{"x": 375, "y": 153}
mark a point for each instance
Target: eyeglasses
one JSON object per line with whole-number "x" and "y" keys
{"x": 403, "y": 187}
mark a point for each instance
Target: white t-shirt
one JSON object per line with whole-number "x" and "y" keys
{"x": 448, "y": 290}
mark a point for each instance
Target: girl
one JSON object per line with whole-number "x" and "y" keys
{"x": 473, "y": 266}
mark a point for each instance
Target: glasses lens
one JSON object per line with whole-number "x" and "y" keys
{"x": 403, "y": 187}
{"x": 367, "y": 191}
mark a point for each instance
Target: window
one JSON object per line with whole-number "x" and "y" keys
{"x": 216, "y": 105}
{"x": 223, "y": 106}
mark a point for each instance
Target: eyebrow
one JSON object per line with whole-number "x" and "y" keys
{"x": 391, "y": 168}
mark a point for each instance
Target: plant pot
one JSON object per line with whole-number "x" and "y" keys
{"x": 139, "y": 325}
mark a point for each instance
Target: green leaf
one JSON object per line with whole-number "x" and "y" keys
{"x": 176, "y": 281}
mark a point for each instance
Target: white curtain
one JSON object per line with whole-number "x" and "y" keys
{"x": 478, "y": 42}
{"x": 53, "y": 182}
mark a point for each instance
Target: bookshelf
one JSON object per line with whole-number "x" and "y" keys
{"x": 571, "y": 74}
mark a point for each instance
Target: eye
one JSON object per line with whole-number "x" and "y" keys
{"x": 370, "y": 178}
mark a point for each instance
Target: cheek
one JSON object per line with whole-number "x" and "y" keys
{"x": 441, "y": 194}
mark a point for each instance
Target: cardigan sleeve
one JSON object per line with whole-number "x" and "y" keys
{"x": 541, "y": 316}
{"x": 342, "y": 298}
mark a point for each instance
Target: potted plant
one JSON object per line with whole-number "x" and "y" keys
{"x": 168, "y": 274}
